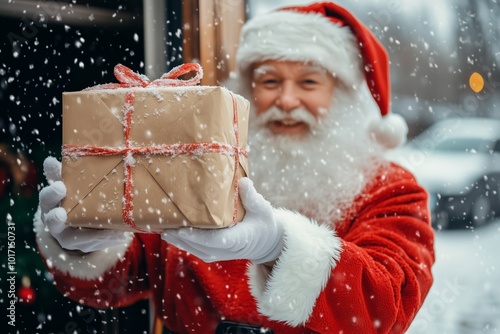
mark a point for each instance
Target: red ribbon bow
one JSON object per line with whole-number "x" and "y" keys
{"x": 129, "y": 78}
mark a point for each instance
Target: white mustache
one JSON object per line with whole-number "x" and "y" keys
{"x": 276, "y": 114}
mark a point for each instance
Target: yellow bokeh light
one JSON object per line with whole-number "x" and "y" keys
{"x": 476, "y": 82}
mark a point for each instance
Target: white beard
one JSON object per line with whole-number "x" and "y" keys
{"x": 321, "y": 174}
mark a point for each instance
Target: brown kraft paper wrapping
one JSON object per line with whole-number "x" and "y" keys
{"x": 169, "y": 190}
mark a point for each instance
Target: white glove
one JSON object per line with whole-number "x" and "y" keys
{"x": 258, "y": 237}
{"x": 54, "y": 217}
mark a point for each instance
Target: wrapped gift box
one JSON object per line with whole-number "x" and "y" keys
{"x": 149, "y": 158}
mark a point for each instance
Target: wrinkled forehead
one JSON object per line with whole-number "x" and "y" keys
{"x": 301, "y": 68}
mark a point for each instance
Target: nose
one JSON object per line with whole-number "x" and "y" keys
{"x": 288, "y": 98}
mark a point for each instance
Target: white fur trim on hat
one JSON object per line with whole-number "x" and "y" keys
{"x": 81, "y": 265}
{"x": 389, "y": 131}
{"x": 290, "y": 291}
{"x": 308, "y": 37}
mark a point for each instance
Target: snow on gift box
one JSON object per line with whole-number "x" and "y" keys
{"x": 144, "y": 155}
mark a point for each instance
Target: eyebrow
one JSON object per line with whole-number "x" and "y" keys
{"x": 316, "y": 69}
{"x": 263, "y": 69}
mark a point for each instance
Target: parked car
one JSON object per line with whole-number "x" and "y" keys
{"x": 458, "y": 161}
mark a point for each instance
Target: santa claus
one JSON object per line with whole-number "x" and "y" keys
{"x": 335, "y": 238}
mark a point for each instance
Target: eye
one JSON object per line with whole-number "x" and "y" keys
{"x": 310, "y": 83}
{"x": 269, "y": 82}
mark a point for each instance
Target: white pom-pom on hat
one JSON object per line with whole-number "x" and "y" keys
{"x": 389, "y": 131}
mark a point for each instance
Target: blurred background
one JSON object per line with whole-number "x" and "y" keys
{"x": 445, "y": 58}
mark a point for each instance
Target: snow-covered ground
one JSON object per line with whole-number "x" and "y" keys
{"x": 465, "y": 297}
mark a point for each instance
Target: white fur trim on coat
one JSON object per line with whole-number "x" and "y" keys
{"x": 290, "y": 291}
{"x": 81, "y": 265}
{"x": 291, "y": 36}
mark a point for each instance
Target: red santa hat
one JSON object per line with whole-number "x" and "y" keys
{"x": 330, "y": 36}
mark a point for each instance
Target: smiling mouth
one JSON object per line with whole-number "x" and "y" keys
{"x": 288, "y": 126}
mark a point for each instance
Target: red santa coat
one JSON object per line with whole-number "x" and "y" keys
{"x": 369, "y": 273}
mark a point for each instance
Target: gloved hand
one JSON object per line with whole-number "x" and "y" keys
{"x": 258, "y": 237}
{"x": 54, "y": 217}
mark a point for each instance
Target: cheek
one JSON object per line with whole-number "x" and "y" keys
{"x": 319, "y": 102}
{"x": 262, "y": 100}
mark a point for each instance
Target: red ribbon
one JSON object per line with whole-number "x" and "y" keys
{"x": 128, "y": 78}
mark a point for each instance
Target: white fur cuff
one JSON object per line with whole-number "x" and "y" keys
{"x": 81, "y": 265}
{"x": 301, "y": 272}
